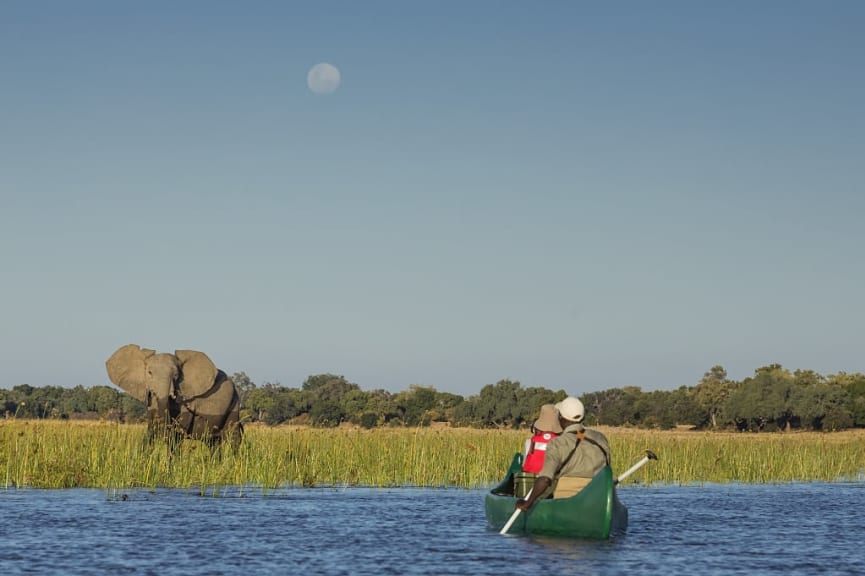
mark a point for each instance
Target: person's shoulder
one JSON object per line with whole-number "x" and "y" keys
{"x": 560, "y": 440}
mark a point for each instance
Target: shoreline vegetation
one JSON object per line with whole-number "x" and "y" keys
{"x": 774, "y": 399}
{"x": 110, "y": 455}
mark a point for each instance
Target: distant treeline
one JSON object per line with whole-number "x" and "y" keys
{"x": 773, "y": 399}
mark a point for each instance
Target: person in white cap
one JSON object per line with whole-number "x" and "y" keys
{"x": 573, "y": 458}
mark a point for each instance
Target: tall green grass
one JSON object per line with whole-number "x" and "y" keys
{"x": 695, "y": 457}
{"x": 51, "y": 454}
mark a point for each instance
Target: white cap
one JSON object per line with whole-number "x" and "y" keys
{"x": 571, "y": 409}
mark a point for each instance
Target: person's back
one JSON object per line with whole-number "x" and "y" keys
{"x": 577, "y": 452}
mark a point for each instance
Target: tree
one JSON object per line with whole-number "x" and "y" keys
{"x": 822, "y": 406}
{"x": 682, "y": 409}
{"x": 415, "y": 404}
{"x": 498, "y": 404}
{"x": 666, "y": 408}
{"x": 326, "y": 413}
{"x": 613, "y": 407}
{"x": 353, "y": 404}
{"x": 328, "y": 385}
{"x": 854, "y": 387}
{"x": 325, "y": 393}
{"x": 106, "y": 401}
{"x": 79, "y": 400}
{"x": 530, "y": 400}
{"x": 711, "y": 394}
{"x": 368, "y": 420}
{"x": 131, "y": 409}
{"x": 381, "y": 403}
{"x": 764, "y": 401}
{"x": 466, "y": 413}
{"x": 269, "y": 403}
{"x": 243, "y": 384}
{"x": 7, "y": 403}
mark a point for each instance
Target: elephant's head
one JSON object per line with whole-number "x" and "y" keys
{"x": 156, "y": 378}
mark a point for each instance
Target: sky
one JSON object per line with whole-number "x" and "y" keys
{"x": 577, "y": 196}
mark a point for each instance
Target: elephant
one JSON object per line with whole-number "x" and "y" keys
{"x": 185, "y": 394}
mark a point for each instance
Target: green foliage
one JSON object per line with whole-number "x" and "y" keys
{"x": 764, "y": 402}
{"x": 498, "y": 404}
{"x": 710, "y": 395}
{"x": 52, "y": 402}
{"x": 856, "y": 398}
{"x": 275, "y": 404}
{"x": 821, "y": 406}
{"x": 613, "y": 407}
{"x": 353, "y": 404}
{"x": 773, "y": 399}
{"x": 368, "y": 420}
{"x": 243, "y": 384}
{"x": 326, "y": 413}
{"x": 417, "y": 405}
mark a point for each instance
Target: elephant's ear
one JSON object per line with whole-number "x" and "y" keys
{"x": 126, "y": 369}
{"x": 199, "y": 373}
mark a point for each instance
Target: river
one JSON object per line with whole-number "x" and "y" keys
{"x": 710, "y": 530}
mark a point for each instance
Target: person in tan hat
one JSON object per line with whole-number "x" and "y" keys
{"x": 544, "y": 429}
{"x": 573, "y": 458}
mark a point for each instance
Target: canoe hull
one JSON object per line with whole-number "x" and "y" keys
{"x": 595, "y": 512}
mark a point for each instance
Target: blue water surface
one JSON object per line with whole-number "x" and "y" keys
{"x": 709, "y": 530}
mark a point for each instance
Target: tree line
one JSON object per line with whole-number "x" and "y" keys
{"x": 774, "y": 398}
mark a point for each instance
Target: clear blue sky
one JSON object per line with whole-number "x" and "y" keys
{"x": 574, "y": 195}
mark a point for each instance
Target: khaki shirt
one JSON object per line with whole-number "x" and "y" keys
{"x": 586, "y": 461}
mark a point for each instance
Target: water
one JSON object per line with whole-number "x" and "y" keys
{"x": 709, "y": 530}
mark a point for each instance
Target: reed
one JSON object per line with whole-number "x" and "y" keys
{"x": 55, "y": 454}
{"x": 696, "y": 457}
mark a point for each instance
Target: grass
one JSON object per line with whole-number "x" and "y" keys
{"x": 62, "y": 454}
{"x": 694, "y": 457}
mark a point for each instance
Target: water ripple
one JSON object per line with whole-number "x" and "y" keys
{"x": 713, "y": 530}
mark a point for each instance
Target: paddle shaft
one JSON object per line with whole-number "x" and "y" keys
{"x": 649, "y": 456}
{"x": 513, "y": 517}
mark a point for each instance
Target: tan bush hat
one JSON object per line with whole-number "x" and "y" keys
{"x": 548, "y": 421}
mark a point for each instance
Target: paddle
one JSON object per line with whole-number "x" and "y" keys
{"x": 513, "y": 517}
{"x": 649, "y": 456}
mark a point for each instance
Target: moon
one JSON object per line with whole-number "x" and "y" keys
{"x": 323, "y": 78}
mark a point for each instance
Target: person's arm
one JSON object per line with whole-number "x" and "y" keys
{"x": 541, "y": 485}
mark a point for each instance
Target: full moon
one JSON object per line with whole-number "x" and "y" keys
{"x": 323, "y": 78}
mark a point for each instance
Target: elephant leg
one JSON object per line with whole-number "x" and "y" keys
{"x": 185, "y": 421}
{"x": 232, "y": 430}
{"x": 234, "y": 435}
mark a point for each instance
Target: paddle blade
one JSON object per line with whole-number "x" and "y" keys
{"x": 510, "y": 522}
{"x": 513, "y": 517}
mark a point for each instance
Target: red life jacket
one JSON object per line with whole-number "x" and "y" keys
{"x": 537, "y": 450}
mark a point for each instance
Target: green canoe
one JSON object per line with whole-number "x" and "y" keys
{"x": 595, "y": 512}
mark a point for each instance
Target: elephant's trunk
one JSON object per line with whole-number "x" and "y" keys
{"x": 174, "y": 388}
{"x": 160, "y": 411}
